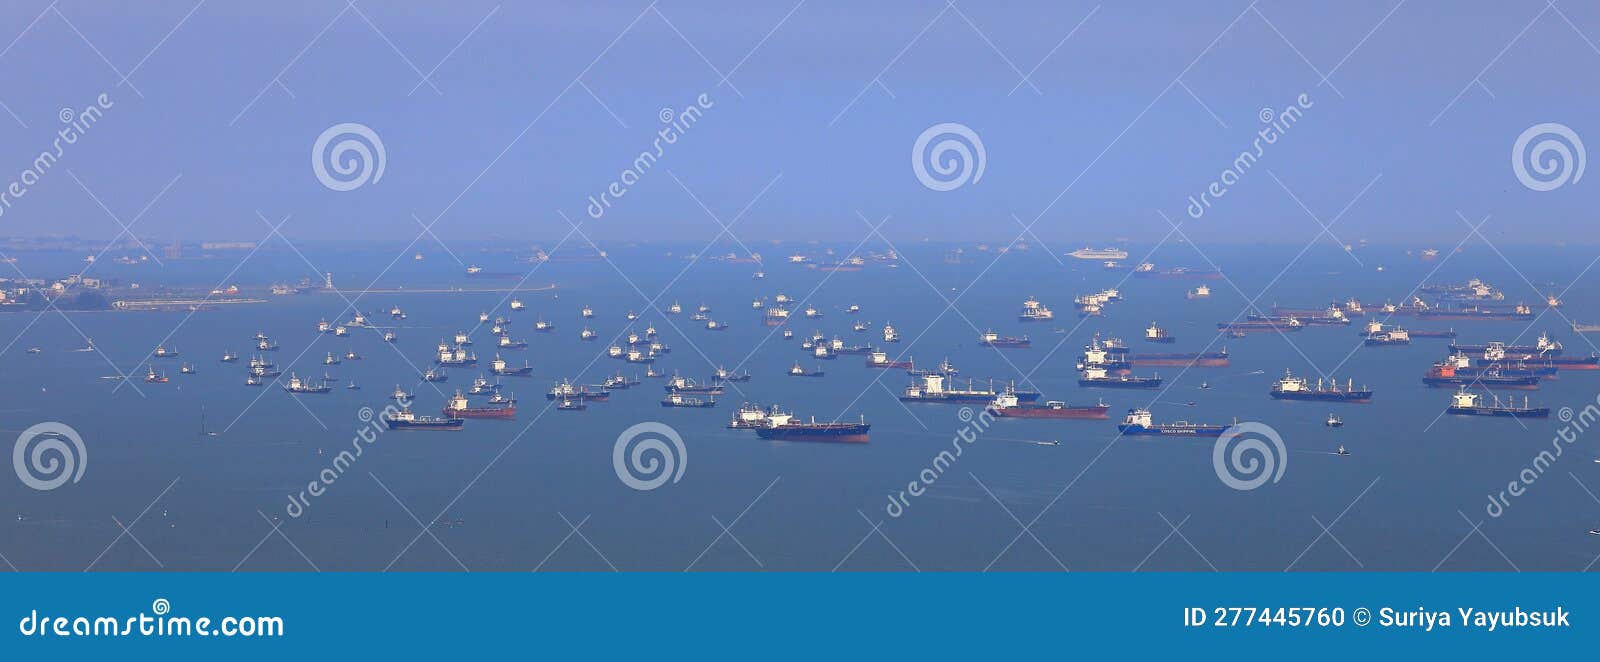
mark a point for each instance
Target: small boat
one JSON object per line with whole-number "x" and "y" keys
{"x": 674, "y": 309}
{"x": 352, "y": 387}
{"x": 389, "y": 336}
{"x": 788, "y": 334}
{"x": 586, "y": 313}
{"x": 798, "y": 370}
{"x": 1341, "y": 451}
{"x": 1157, "y": 334}
{"x": 230, "y": 357}
{"x": 1334, "y": 421}
{"x": 679, "y": 400}
{"x": 186, "y": 369}
{"x": 632, "y": 316}
{"x": 435, "y": 375}
{"x": 161, "y": 352}
{"x": 713, "y": 325}
{"x": 153, "y": 377}
{"x": 572, "y": 404}
{"x": 351, "y": 355}
{"x": 587, "y": 334}
{"x": 252, "y": 380}
{"x": 330, "y": 359}
{"x": 516, "y": 304}
{"x": 400, "y": 394}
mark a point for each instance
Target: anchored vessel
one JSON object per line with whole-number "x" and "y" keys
{"x": 458, "y": 407}
{"x": 406, "y": 420}
{"x": 783, "y": 427}
{"x": 1006, "y": 404}
{"x": 1097, "y": 377}
{"x": 1444, "y": 374}
{"x": 1099, "y": 254}
{"x": 1298, "y": 388}
{"x": 992, "y": 339}
{"x": 1158, "y": 334}
{"x": 1471, "y": 404}
{"x": 1139, "y": 422}
{"x": 932, "y": 388}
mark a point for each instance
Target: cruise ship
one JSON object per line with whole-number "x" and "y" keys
{"x": 1099, "y": 254}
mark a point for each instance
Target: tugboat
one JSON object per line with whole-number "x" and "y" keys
{"x": 680, "y": 400}
{"x": 1471, "y": 404}
{"x": 1139, "y": 422}
{"x": 406, "y": 420}
{"x": 458, "y": 407}
{"x": 499, "y": 367}
{"x": 483, "y": 316}
{"x": 1158, "y": 334}
{"x": 992, "y": 339}
{"x": 1335, "y": 422}
{"x": 341, "y": 331}
{"x": 396, "y": 314}
{"x": 1298, "y": 388}
{"x": 1094, "y": 377}
{"x": 1006, "y": 404}
{"x": 295, "y": 385}
{"x": 324, "y": 326}
{"x": 799, "y": 371}
{"x": 783, "y": 427}
{"x": 1033, "y": 311}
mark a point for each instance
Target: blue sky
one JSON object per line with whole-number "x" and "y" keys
{"x": 1142, "y": 107}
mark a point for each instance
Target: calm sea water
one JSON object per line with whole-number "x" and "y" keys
{"x": 500, "y": 495}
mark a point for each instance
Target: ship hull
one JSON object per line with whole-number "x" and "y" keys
{"x": 851, "y": 434}
{"x": 1095, "y": 412}
{"x": 1518, "y": 383}
{"x": 1511, "y": 349}
{"x": 482, "y": 412}
{"x": 1171, "y": 431}
{"x": 425, "y": 426}
{"x": 1563, "y": 363}
{"x": 1205, "y": 360}
{"x": 1120, "y": 383}
{"x": 1534, "y": 412}
{"x": 1005, "y": 344}
{"x": 973, "y": 398}
{"x": 1353, "y": 397}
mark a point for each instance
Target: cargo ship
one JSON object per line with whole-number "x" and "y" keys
{"x": 686, "y": 385}
{"x": 679, "y": 400}
{"x": 406, "y": 420}
{"x": 749, "y": 417}
{"x": 499, "y": 367}
{"x": 992, "y": 339}
{"x": 1471, "y": 404}
{"x": 1496, "y": 353}
{"x": 1139, "y": 422}
{"x": 1299, "y": 388}
{"x": 1444, "y": 374}
{"x": 1095, "y": 377}
{"x": 797, "y": 370}
{"x": 1033, "y": 311}
{"x": 1148, "y": 270}
{"x": 1217, "y": 359}
{"x": 783, "y": 427}
{"x": 458, "y": 407}
{"x": 297, "y": 385}
{"x": 1006, "y": 404}
{"x": 1395, "y": 336}
{"x": 1259, "y": 325}
{"x": 1520, "y": 312}
{"x": 1157, "y": 334}
{"x": 933, "y": 388}
{"x": 882, "y": 360}
{"x": 457, "y": 358}
{"x": 566, "y": 390}
{"x": 1544, "y": 345}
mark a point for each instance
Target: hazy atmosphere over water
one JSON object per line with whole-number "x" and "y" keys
{"x": 1095, "y": 118}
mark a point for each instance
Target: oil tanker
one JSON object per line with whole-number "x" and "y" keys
{"x": 1520, "y": 312}
{"x": 1444, "y": 374}
{"x": 783, "y": 427}
{"x": 458, "y": 407}
{"x": 405, "y": 420}
{"x": 1217, "y": 359}
{"x": 1139, "y": 422}
{"x": 1544, "y": 345}
{"x": 1007, "y": 405}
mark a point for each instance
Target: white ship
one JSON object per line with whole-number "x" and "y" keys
{"x": 1087, "y": 253}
